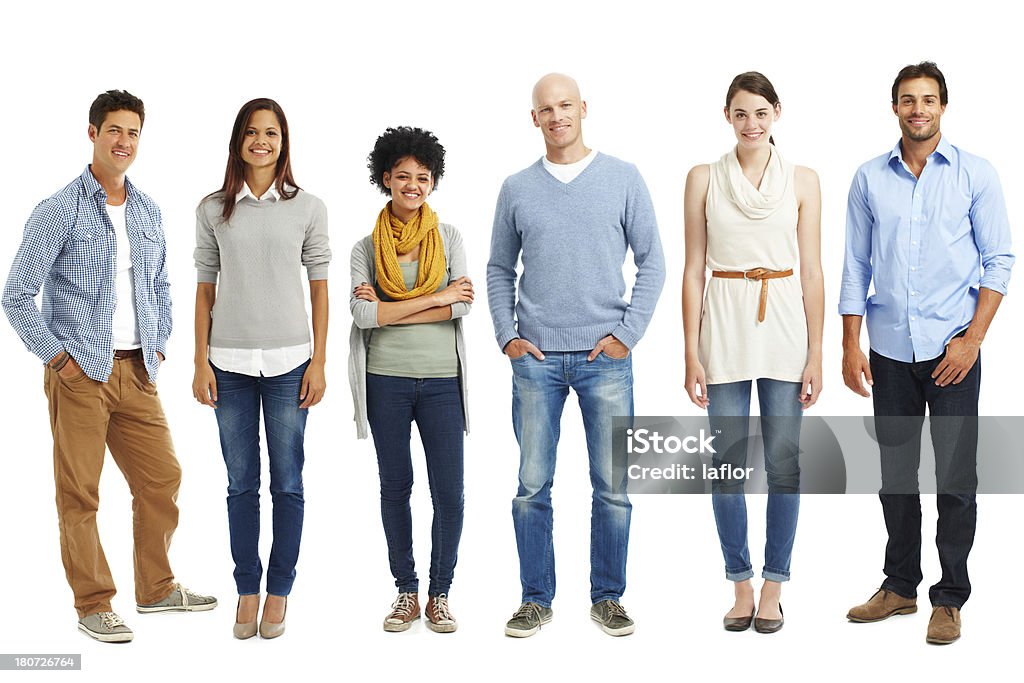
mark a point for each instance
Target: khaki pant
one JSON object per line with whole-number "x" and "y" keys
{"x": 125, "y": 415}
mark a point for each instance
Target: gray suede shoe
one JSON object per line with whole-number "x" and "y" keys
{"x": 527, "y": 620}
{"x": 612, "y": 617}
{"x": 181, "y": 599}
{"x": 105, "y": 627}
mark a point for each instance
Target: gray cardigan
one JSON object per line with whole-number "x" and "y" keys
{"x": 364, "y": 319}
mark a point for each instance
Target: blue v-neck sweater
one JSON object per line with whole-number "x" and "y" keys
{"x": 573, "y": 239}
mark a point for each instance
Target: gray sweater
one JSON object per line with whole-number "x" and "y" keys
{"x": 258, "y": 255}
{"x": 573, "y": 239}
{"x": 364, "y": 319}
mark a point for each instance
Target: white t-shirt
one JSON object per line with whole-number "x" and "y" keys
{"x": 256, "y": 362}
{"x": 125, "y": 323}
{"x": 568, "y": 172}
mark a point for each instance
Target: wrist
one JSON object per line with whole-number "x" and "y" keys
{"x": 972, "y": 339}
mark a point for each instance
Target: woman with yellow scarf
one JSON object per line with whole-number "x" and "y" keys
{"x": 408, "y": 363}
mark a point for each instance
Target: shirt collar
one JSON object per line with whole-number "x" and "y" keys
{"x": 272, "y": 193}
{"x": 92, "y": 186}
{"x": 944, "y": 150}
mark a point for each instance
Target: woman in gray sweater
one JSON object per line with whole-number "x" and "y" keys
{"x": 253, "y": 347}
{"x": 408, "y": 363}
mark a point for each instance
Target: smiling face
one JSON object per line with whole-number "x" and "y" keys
{"x": 410, "y": 182}
{"x": 115, "y": 143}
{"x": 918, "y": 108}
{"x": 261, "y": 139}
{"x": 558, "y": 111}
{"x": 751, "y": 117}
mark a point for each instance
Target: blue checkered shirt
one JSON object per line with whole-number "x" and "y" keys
{"x": 68, "y": 251}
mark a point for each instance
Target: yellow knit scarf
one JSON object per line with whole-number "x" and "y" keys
{"x": 392, "y": 237}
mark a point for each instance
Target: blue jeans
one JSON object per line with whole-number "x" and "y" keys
{"x": 539, "y": 390}
{"x": 238, "y": 417}
{"x": 392, "y": 403}
{"x": 902, "y": 390}
{"x": 781, "y": 410}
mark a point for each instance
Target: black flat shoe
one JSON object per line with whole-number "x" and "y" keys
{"x": 737, "y": 623}
{"x": 769, "y": 625}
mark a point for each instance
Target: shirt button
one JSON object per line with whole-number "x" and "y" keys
{"x": 913, "y": 268}
{"x": 913, "y": 294}
{"x": 913, "y": 318}
{"x": 914, "y": 242}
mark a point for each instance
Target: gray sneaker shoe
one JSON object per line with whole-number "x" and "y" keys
{"x": 612, "y": 617}
{"x": 527, "y": 620}
{"x": 106, "y": 627}
{"x": 181, "y": 599}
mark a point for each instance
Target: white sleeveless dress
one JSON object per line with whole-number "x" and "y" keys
{"x": 751, "y": 228}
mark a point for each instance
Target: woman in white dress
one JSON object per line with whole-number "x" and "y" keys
{"x": 754, "y": 221}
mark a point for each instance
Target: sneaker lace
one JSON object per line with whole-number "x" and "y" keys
{"x": 439, "y": 609}
{"x": 527, "y": 609}
{"x": 187, "y": 594}
{"x": 402, "y": 606}
{"x": 110, "y": 620}
{"x": 615, "y": 608}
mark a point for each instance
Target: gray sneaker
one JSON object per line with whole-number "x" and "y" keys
{"x": 527, "y": 620}
{"x": 181, "y": 599}
{"x": 106, "y": 627}
{"x": 612, "y": 617}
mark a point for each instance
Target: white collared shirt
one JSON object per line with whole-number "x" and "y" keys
{"x": 257, "y": 362}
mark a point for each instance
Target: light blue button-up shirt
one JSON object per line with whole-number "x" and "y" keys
{"x": 928, "y": 244}
{"x": 68, "y": 250}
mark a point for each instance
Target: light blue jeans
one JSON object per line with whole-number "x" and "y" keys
{"x": 781, "y": 411}
{"x": 539, "y": 389}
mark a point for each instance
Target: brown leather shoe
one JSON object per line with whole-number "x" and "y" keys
{"x": 944, "y": 626}
{"x": 404, "y": 610}
{"x": 882, "y": 605}
{"x": 737, "y": 623}
{"x": 769, "y": 625}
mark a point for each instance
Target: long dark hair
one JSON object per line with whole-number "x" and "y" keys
{"x": 753, "y": 82}
{"x": 234, "y": 174}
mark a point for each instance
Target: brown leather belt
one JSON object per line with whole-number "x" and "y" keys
{"x": 762, "y": 274}
{"x": 121, "y": 354}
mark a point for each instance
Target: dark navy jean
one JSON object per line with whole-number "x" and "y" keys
{"x": 435, "y": 404}
{"x": 781, "y": 411}
{"x": 903, "y": 390}
{"x": 539, "y": 389}
{"x": 239, "y": 398}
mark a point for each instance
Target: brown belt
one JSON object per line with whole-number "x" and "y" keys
{"x": 121, "y": 354}
{"x": 762, "y": 274}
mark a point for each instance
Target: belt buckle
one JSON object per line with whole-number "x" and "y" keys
{"x": 760, "y": 274}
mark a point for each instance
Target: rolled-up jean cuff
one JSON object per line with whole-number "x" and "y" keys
{"x": 740, "y": 574}
{"x": 774, "y": 575}
{"x": 411, "y": 588}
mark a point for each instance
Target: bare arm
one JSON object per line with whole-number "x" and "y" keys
{"x": 962, "y": 352}
{"x": 314, "y": 383}
{"x": 812, "y": 282}
{"x": 855, "y": 363}
{"x": 696, "y": 239}
{"x": 204, "y": 382}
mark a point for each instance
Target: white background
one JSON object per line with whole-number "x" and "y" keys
{"x": 654, "y": 79}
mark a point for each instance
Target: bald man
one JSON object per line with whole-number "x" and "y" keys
{"x": 571, "y": 216}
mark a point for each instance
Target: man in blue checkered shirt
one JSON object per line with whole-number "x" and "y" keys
{"x": 96, "y": 249}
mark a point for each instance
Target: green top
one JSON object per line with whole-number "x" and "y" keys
{"x": 418, "y": 350}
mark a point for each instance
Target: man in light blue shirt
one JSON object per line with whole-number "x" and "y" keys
{"x": 96, "y": 250}
{"x": 927, "y": 225}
